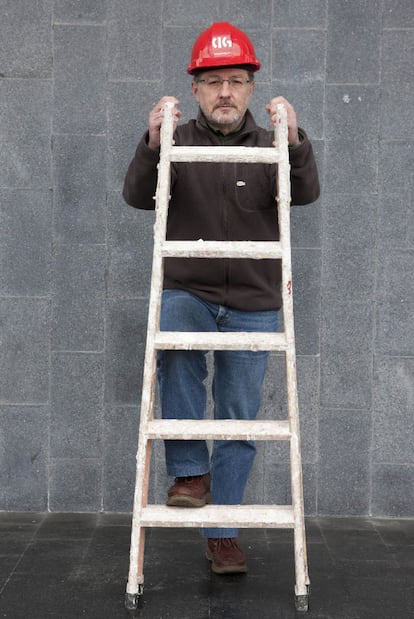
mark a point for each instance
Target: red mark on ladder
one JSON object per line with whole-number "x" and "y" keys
{"x": 289, "y": 287}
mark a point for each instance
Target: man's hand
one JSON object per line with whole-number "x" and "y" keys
{"x": 155, "y": 120}
{"x": 293, "y": 135}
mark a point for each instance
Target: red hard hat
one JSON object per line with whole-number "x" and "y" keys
{"x": 222, "y": 45}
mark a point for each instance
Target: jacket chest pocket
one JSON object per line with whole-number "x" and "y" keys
{"x": 253, "y": 187}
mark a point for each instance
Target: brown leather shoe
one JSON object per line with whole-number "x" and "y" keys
{"x": 190, "y": 491}
{"x": 226, "y": 556}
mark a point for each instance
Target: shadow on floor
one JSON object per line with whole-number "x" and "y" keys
{"x": 75, "y": 565}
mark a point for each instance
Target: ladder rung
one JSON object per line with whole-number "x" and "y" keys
{"x": 257, "y": 250}
{"x": 228, "y": 154}
{"x": 210, "y": 340}
{"x": 243, "y": 516}
{"x": 186, "y": 429}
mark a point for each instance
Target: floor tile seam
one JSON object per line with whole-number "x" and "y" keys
{"x": 20, "y": 559}
{"x": 343, "y": 563}
{"x": 77, "y": 571}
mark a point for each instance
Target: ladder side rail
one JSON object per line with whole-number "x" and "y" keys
{"x": 284, "y": 198}
{"x": 136, "y": 578}
{"x": 281, "y": 157}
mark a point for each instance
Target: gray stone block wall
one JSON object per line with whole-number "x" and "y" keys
{"x": 77, "y": 80}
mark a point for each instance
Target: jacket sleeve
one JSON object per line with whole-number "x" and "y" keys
{"x": 141, "y": 178}
{"x": 303, "y": 173}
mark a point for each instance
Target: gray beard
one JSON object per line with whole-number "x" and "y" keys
{"x": 221, "y": 122}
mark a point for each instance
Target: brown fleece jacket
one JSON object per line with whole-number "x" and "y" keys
{"x": 223, "y": 202}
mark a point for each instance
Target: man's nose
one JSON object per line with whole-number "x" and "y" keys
{"x": 225, "y": 89}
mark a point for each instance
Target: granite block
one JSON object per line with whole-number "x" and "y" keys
{"x": 254, "y": 491}
{"x": 305, "y": 226}
{"x": 349, "y": 220}
{"x": 79, "y": 11}
{"x": 395, "y": 221}
{"x": 245, "y": 18}
{"x": 25, "y": 107}
{"x": 25, "y": 161}
{"x": 120, "y": 447}
{"x": 78, "y": 300}
{"x": 395, "y": 303}
{"x": 298, "y": 59}
{"x": 306, "y": 271}
{"x": 261, "y": 96}
{"x": 276, "y": 477}
{"x": 130, "y": 242}
{"x": 308, "y": 395}
{"x": 393, "y": 490}
{"x": 343, "y": 479}
{"x": 76, "y": 405}
{"x": 75, "y": 485}
{"x": 396, "y": 118}
{"x": 274, "y": 402}
{"x": 80, "y": 78}
{"x": 25, "y": 242}
{"x": 353, "y": 58}
{"x": 182, "y": 13}
{"x": 397, "y": 56}
{"x": 396, "y": 164}
{"x": 120, "y": 432}
{"x": 79, "y": 175}
{"x": 352, "y": 111}
{"x": 274, "y": 399}
{"x": 349, "y": 247}
{"x": 134, "y": 50}
{"x": 310, "y": 489}
{"x": 346, "y": 354}
{"x": 348, "y": 273}
{"x": 393, "y": 397}
{"x": 24, "y": 350}
{"x": 118, "y": 484}
{"x": 126, "y": 324}
{"x": 299, "y": 14}
{"x": 277, "y": 483}
{"x": 177, "y": 43}
{"x": 26, "y": 39}
{"x": 128, "y": 105}
{"x": 398, "y": 14}
{"x": 23, "y": 457}
{"x": 350, "y": 165}
{"x": 308, "y": 100}
{"x": 159, "y": 480}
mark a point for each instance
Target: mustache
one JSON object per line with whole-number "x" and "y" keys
{"x": 224, "y": 104}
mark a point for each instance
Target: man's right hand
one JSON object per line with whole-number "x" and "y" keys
{"x": 155, "y": 120}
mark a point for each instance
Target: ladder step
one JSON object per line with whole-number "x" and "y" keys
{"x": 243, "y": 516}
{"x": 186, "y": 429}
{"x": 209, "y": 340}
{"x": 257, "y": 250}
{"x": 228, "y": 154}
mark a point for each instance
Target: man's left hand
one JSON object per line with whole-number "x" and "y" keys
{"x": 293, "y": 135}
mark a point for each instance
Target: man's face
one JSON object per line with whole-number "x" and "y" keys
{"x": 223, "y": 104}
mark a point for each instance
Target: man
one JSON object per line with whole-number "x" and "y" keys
{"x": 218, "y": 201}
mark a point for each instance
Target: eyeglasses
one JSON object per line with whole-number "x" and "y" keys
{"x": 215, "y": 83}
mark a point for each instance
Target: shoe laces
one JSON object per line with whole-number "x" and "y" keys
{"x": 226, "y": 542}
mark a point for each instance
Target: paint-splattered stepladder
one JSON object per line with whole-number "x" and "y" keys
{"x": 247, "y": 516}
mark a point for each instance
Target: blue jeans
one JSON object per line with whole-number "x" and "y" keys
{"x": 236, "y": 390}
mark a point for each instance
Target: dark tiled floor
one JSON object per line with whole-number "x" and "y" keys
{"x": 75, "y": 565}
